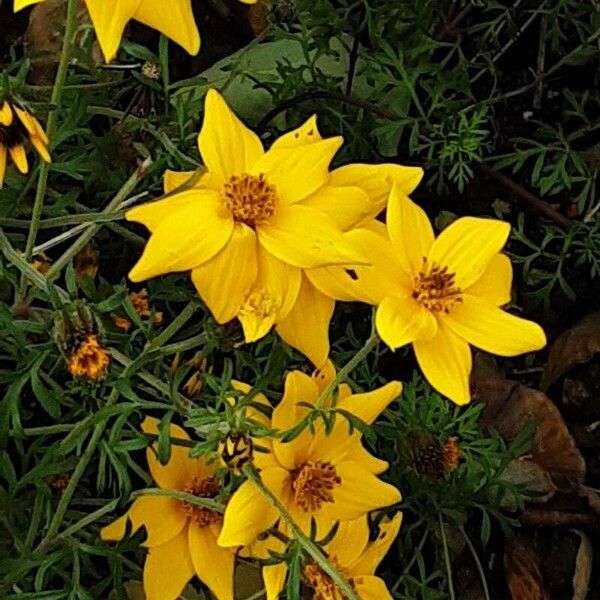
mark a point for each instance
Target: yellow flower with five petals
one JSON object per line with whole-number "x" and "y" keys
{"x": 181, "y": 537}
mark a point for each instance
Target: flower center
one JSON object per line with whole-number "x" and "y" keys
{"x": 322, "y": 585}
{"x": 435, "y": 288}
{"x": 89, "y": 360}
{"x": 208, "y": 487}
{"x": 312, "y": 484}
{"x": 250, "y": 198}
{"x": 258, "y": 303}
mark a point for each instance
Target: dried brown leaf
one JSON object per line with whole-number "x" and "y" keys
{"x": 583, "y": 567}
{"x": 523, "y": 570}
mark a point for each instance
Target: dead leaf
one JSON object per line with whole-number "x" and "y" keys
{"x": 525, "y": 473}
{"x": 583, "y": 567}
{"x": 510, "y": 406}
{"x": 523, "y": 571}
{"x": 575, "y": 346}
{"x": 258, "y": 16}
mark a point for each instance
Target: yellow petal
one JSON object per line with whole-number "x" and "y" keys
{"x": 213, "y": 564}
{"x": 3, "y": 153}
{"x": 467, "y": 246}
{"x": 274, "y": 579}
{"x": 174, "y": 179}
{"x": 298, "y": 387}
{"x": 400, "y": 321}
{"x": 168, "y": 569}
{"x": 41, "y": 149}
{"x": 19, "y": 158}
{"x": 346, "y": 206}
{"x": 20, "y": 4}
{"x": 174, "y": 19}
{"x": 306, "y": 327}
{"x": 162, "y": 517}
{"x": 359, "y": 493}
{"x": 369, "y": 405}
{"x": 446, "y": 363}
{"x": 257, "y": 315}
{"x": 109, "y": 21}
{"x": 307, "y": 133}
{"x": 248, "y": 513}
{"x": 227, "y": 146}
{"x": 225, "y": 280}
{"x": 371, "y": 588}
{"x": 377, "y": 181}
{"x": 496, "y": 282}
{"x": 153, "y": 214}
{"x": 297, "y": 173}
{"x": 303, "y": 237}
{"x": 6, "y": 114}
{"x": 181, "y": 469}
{"x": 368, "y": 562}
{"x": 184, "y": 239}
{"x": 349, "y": 542}
{"x": 26, "y": 120}
{"x": 369, "y": 283}
{"x": 492, "y": 329}
{"x": 409, "y": 229}
{"x": 38, "y": 130}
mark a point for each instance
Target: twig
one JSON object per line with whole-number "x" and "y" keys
{"x": 450, "y": 27}
{"x": 540, "y": 205}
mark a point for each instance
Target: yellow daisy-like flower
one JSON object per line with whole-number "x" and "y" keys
{"x": 181, "y": 538}
{"x": 442, "y": 294}
{"x": 317, "y": 476}
{"x": 16, "y": 126}
{"x": 174, "y": 19}
{"x": 252, "y": 222}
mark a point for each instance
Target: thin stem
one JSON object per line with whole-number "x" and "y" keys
{"x": 478, "y": 564}
{"x": 51, "y": 126}
{"x": 446, "y": 558}
{"x": 183, "y": 496}
{"x": 91, "y": 231}
{"x": 306, "y": 543}
{"x": 347, "y": 369}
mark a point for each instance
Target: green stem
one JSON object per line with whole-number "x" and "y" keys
{"x": 446, "y": 558}
{"x": 347, "y": 369}
{"x": 486, "y": 592}
{"x": 51, "y": 126}
{"x": 91, "y": 231}
{"x": 98, "y": 431}
{"x": 306, "y": 543}
{"x": 183, "y": 496}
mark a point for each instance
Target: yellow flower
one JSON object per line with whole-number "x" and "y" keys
{"x": 174, "y": 19}
{"x": 252, "y": 222}
{"x": 442, "y": 294}
{"x": 317, "y": 476}
{"x": 181, "y": 538}
{"x": 16, "y": 126}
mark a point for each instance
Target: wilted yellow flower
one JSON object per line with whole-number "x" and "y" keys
{"x": 174, "y": 19}
{"x": 181, "y": 537}
{"x": 89, "y": 359}
{"x": 451, "y": 453}
{"x": 317, "y": 476}
{"x": 252, "y": 222}
{"x": 142, "y": 306}
{"x": 442, "y": 294}
{"x": 41, "y": 263}
{"x": 16, "y": 126}
{"x": 121, "y": 322}
{"x": 85, "y": 262}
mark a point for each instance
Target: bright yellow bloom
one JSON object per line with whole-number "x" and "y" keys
{"x": 317, "y": 476}
{"x": 181, "y": 538}
{"x": 173, "y": 18}
{"x": 252, "y": 222}
{"x": 16, "y": 126}
{"x": 442, "y": 294}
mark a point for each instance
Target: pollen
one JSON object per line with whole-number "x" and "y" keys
{"x": 313, "y": 484}
{"x": 250, "y": 199}
{"x": 322, "y": 586}
{"x": 435, "y": 288}
{"x": 89, "y": 360}
{"x": 259, "y": 303}
{"x": 207, "y": 487}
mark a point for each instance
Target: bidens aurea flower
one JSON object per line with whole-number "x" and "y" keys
{"x": 17, "y": 126}
{"x": 181, "y": 537}
{"x": 173, "y": 18}
{"x": 443, "y": 294}
{"x": 320, "y": 476}
{"x": 251, "y": 223}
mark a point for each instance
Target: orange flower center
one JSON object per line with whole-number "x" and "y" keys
{"x": 250, "y": 199}
{"x": 322, "y": 585}
{"x": 435, "y": 288}
{"x": 89, "y": 360}
{"x": 312, "y": 484}
{"x": 208, "y": 487}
